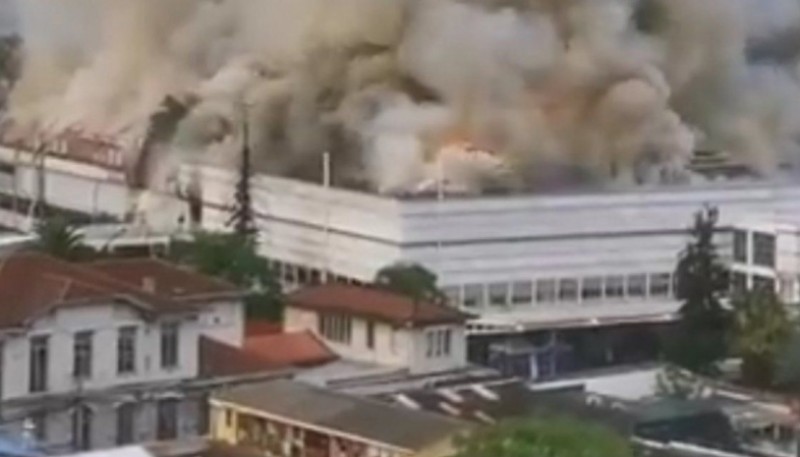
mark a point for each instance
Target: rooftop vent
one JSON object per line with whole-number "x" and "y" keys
{"x": 149, "y": 284}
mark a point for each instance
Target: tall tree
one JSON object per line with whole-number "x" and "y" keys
{"x": 57, "y": 237}
{"x": 235, "y": 258}
{"x": 762, "y": 328}
{"x": 411, "y": 280}
{"x": 557, "y": 437}
{"x": 242, "y": 220}
{"x": 701, "y": 282}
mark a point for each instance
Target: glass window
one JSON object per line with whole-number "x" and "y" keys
{"x": 126, "y": 350}
{"x": 126, "y": 414}
{"x": 763, "y": 283}
{"x": 82, "y": 419}
{"x": 764, "y": 249}
{"x": 370, "y": 335}
{"x": 615, "y": 286}
{"x": 337, "y": 328}
{"x": 498, "y": 294}
{"x": 82, "y": 355}
{"x": 169, "y": 345}
{"x": 637, "y": 285}
{"x": 592, "y": 288}
{"x": 545, "y": 291}
{"x": 738, "y": 283}
{"x": 167, "y": 419}
{"x": 659, "y": 284}
{"x": 473, "y": 295}
{"x": 568, "y": 289}
{"x": 521, "y": 293}
{"x": 740, "y": 246}
{"x": 39, "y": 360}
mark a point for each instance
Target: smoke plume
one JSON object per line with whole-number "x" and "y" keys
{"x": 476, "y": 94}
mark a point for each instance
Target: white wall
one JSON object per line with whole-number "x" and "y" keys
{"x": 224, "y": 322}
{"x": 105, "y": 322}
{"x": 422, "y": 363}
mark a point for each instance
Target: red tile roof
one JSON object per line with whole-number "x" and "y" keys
{"x": 167, "y": 279}
{"x": 374, "y": 303}
{"x": 261, "y": 328}
{"x": 32, "y": 284}
{"x": 298, "y": 349}
{"x": 220, "y": 359}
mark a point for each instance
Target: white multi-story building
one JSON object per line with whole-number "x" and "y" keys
{"x": 766, "y": 253}
{"x": 94, "y": 355}
{"x": 519, "y": 262}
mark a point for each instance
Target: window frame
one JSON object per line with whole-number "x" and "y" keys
{"x": 169, "y": 349}
{"x": 126, "y": 350}
{"x": 38, "y": 363}
{"x": 82, "y": 354}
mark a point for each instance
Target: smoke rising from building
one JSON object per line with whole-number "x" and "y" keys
{"x": 539, "y": 92}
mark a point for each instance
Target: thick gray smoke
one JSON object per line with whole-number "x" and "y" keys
{"x": 536, "y": 90}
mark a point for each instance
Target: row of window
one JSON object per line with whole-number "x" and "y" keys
{"x": 562, "y": 290}
{"x": 339, "y": 329}
{"x": 83, "y": 420}
{"x": 754, "y": 248}
{"x": 83, "y": 354}
{"x": 438, "y": 343}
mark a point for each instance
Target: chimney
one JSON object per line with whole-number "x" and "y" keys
{"x": 149, "y": 284}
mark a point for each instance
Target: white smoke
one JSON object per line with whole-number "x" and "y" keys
{"x": 602, "y": 89}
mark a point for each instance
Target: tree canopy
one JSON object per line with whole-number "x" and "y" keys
{"x": 554, "y": 437}
{"x": 235, "y": 258}
{"x": 762, "y": 328}
{"x": 411, "y": 280}
{"x": 701, "y": 282}
{"x": 59, "y": 238}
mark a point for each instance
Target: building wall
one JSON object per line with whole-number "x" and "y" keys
{"x": 104, "y": 321}
{"x": 424, "y": 360}
{"x": 223, "y": 321}
{"x": 58, "y": 420}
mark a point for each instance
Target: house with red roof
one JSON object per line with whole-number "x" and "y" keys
{"x": 373, "y": 325}
{"x": 113, "y": 352}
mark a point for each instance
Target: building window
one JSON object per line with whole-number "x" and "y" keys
{"x": 82, "y": 427}
{"x": 545, "y": 291}
{"x": 126, "y": 350}
{"x": 637, "y": 285}
{"x": 592, "y": 288}
{"x": 337, "y": 328}
{"x": 615, "y": 287}
{"x": 659, "y": 284}
{"x": 764, "y": 249}
{"x": 740, "y": 246}
{"x": 126, "y": 420}
{"x": 568, "y": 289}
{"x": 498, "y": 294}
{"x": 370, "y": 335}
{"x": 167, "y": 420}
{"x": 438, "y": 343}
{"x": 763, "y": 283}
{"x": 39, "y": 360}
{"x": 82, "y": 355}
{"x": 169, "y": 344}
{"x": 738, "y": 283}
{"x": 522, "y": 293}
{"x": 473, "y": 295}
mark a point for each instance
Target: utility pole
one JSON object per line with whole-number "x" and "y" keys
{"x": 243, "y": 220}
{"x": 326, "y": 183}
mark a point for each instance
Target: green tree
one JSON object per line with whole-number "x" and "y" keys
{"x": 58, "y": 238}
{"x": 762, "y": 328}
{"x": 554, "y": 437}
{"x": 235, "y": 258}
{"x": 701, "y": 282}
{"x": 411, "y": 280}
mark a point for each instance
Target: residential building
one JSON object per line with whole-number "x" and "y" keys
{"x": 370, "y": 324}
{"x": 289, "y": 418}
{"x": 106, "y": 353}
